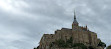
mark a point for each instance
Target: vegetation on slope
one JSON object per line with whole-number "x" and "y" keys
{"x": 109, "y": 47}
{"x": 102, "y": 44}
{"x": 68, "y": 44}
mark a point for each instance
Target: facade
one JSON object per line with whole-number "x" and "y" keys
{"x": 79, "y": 35}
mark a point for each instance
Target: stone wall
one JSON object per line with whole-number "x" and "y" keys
{"x": 79, "y": 36}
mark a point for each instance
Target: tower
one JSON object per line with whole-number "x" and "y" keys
{"x": 75, "y": 23}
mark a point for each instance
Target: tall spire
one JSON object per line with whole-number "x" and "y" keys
{"x": 74, "y": 15}
{"x": 75, "y": 23}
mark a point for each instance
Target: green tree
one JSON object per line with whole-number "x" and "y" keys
{"x": 80, "y": 45}
{"x": 102, "y": 44}
{"x": 69, "y": 44}
{"x": 109, "y": 47}
{"x": 60, "y": 43}
{"x": 37, "y": 47}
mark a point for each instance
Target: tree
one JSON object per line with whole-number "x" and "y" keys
{"x": 69, "y": 44}
{"x": 109, "y": 47}
{"x": 60, "y": 43}
{"x": 91, "y": 47}
{"x": 102, "y": 44}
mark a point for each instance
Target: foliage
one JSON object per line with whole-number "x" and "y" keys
{"x": 69, "y": 44}
{"x": 60, "y": 43}
{"x": 102, "y": 44}
{"x": 109, "y": 47}
{"x": 51, "y": 45}
{"x": 90, "y": 47}
{"x": 80, "y": 45}
{"x": 37, "y": 47}
{"x": 70, "y": 40}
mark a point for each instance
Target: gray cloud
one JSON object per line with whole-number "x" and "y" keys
{"x": 22, "y": 27}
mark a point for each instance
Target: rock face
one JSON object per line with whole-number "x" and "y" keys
{"x": 77, "y": 33}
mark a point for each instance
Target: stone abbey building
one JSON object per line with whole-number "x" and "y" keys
{"x": 79, "y": 35}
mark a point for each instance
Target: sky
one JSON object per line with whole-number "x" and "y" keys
{"x": 23, "y": 22}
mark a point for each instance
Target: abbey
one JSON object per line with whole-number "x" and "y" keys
{"x": 77, "y": 36}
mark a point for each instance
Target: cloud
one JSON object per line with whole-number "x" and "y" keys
{"x": 23, "y": 26}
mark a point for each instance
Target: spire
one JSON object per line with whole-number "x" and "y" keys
{"x": 75, "y": 21}
{"x": 74, "y": 15}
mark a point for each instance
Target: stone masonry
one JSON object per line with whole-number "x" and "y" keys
{"x": 78, "y": 33}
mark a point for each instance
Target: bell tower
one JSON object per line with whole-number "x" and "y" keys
{"x": 75, "y": 23}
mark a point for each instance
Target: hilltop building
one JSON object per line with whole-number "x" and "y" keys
{"x": 76, "y": 38}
